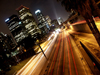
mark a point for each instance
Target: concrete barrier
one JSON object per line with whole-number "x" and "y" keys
{"x": 91, "y": 55}
{"x": 80, "y": 28}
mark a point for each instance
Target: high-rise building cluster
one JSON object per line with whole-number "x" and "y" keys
{"x": 24, "y": 25}
{"x": 24, "y": 32}
{"x": 28, "y": 21}
{"x": 15, "y": 27}
{"x": 43, "y": 23}
{"x": 60, "y": 20}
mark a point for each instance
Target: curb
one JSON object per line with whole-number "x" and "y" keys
{"x": 91, "y": 55}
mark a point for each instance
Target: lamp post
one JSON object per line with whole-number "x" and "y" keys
{"x": 37, "y": 43}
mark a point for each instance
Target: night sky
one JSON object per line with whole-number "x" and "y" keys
{"x": 51, "y": 8}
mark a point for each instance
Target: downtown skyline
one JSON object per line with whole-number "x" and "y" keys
{"x": 51, "y": 8}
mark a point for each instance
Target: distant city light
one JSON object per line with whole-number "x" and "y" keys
{"x": 7, "y": 20}
{"x": 37, "y": 11}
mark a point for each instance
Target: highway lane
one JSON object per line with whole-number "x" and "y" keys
{"x": 64, "y": 59}
{"x": 51, "y": 56}
{"x": 89, "y": 41}
{"x": 76, "y": 65}
{"x": 36, "y": 60}
{"x": 41, "y": 62}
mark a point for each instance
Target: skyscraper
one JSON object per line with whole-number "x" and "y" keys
{"x": 55, "y": 23}
{"x": 16, "y": 28}
{"x": 28, "y": 21}
{"x": 48, "y": 20}
{"x": 60, "y": 20}
{"x": 43, "y": 24}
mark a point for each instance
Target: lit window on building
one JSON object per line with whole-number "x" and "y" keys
{"x": 11, "y": 23}
{"x": 30, "y": 30}
{"x": 28, "y": 25}
{"x": 21, "y": 10}
{"x": 23, "y": 16}
{"x": 13, "y": 26}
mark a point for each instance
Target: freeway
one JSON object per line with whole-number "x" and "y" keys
{"x": 89, "y": 42}
{"x": 65, "y": 58}
{"x": 35, "y": 64}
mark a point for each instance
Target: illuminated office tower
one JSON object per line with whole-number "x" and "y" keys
{"x": 28, "y": 21}
{"x": 48, "y": 20}
{"x": 16, "y": 28}
{"x": 43, "y": 24}
{"x": 55, "y": 23}
{"x": 60, "y": 20}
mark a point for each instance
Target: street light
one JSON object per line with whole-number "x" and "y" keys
{"x": 37, "y": 43}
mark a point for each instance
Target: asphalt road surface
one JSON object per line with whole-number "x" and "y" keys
{"x": 65, "y": 59}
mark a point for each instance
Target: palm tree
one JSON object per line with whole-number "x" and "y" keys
{"x": 84, "y": 8}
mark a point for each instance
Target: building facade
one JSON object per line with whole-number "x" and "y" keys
{"x": 55, "y": 23}
{"x": 43, "y": 24}
{"x": 60, "y": 20}
{"x": 28, "y": 21}
{"x": 48, "y": 20}
{"x": 6, "y": 45}
{"x": 16, "y": 28}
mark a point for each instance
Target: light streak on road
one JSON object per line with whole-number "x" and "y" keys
{"x": 69, "y": 60}
{"x": 35, "y": 60}
{"x": 30, "y": 65}
{"x": 60, "y": 55}
{"x": 64, "y": 57}
{"x": 55, "y": 56}
{"x": 51, "y": 68}
{"x": 52, "y": 60}
{"x": 72, "y": 55}
{"x": 25, "y": 65}
{"x": 47, "y": 52}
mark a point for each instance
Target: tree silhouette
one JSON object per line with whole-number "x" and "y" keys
{"x": 85, "y": 8}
